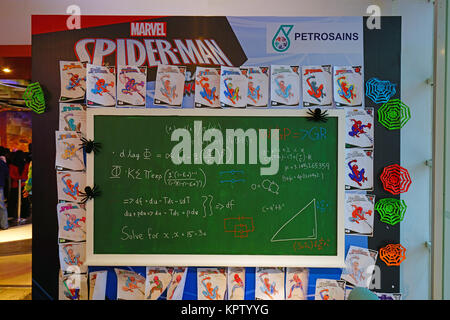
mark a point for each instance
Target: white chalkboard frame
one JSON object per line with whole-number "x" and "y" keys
{"x": 179, "y": 260}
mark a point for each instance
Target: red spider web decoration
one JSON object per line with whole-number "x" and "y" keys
{"x": 393, "y": 254}
{"x": 395, "y": 179}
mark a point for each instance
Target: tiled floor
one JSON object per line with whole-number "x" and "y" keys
{"x": 15, "y": 270}
{"x": 16, "y": 233}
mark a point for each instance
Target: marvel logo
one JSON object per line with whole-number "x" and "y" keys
{"x": 148, "y": 29}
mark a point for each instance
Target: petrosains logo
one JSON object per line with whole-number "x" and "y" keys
{"x": 317, "y": 36}
{"x": 281, "y": 41}
{"x": 148, "y": 29}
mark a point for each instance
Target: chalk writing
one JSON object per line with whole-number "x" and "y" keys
{"x": 319, "y": 244}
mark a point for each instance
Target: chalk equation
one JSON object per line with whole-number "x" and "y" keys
{"x": 303, "y": 176}
{"x": 146, "y": 154}
{"x": 307, "y": 166}
{"x": 185, "y": 178}
{"x": 268, "y": 185}
{"x": 157, "y": 201}
{"x": 129, "y": 233}
{"x": 155, "y": 213}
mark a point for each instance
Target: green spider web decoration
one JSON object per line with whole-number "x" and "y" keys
{"x": 394, "y": 114}
{"x": 391, "y": 210}
{"x": 34, "y": 97}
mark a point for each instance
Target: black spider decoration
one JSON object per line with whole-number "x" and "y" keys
{"x": 90, "y": 193}
{"x": 317, "y": 115}
{"x": 90, "y": 145}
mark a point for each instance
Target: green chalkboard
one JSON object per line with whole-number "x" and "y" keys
{"x": 200, "y": 184}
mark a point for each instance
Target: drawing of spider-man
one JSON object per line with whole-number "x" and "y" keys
{"x": 324, "y": 294}
{"x": 344, "y": 91}
{"x": 358, "y": 214}
{"x": 358, "y": 128}
{"x": 316, "y": 93}
{"x": 230, "y": 93}
{"x": 101, "y": 87}
{"x": 174, "y": 285}
{"x": 207, "y": 93}
{"x": 283, "y": 91}
{"x": 71, "y": 259}
{"x": 70, "y": 189}
{"x": 297, "y": 284}
{"x": 239, "y": 284}
{"x": 131, "y": 85}
{"x": 356, "y": 175}
{"x": 75, "y": 81}
{"x": 268, "y": 288}
{"x": 167, "y": 90}
{"x": 157, "y": 287}
{"x": 72, "y": 294}
{"x": 209, "y": 292}
{"x": 72, "y": 222}
{"x": 131, "y": 283}
{"x": 253, "y": 93}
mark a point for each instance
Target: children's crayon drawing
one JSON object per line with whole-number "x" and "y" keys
{"x": 71, "y": 221}
{"x": 359, "y": 214}
{"x": 388, "y": 296}
{"x": 233, "y": 87}
{"x": 130, "y": 285}
{"x": 359, "y": 128}
{"x": 176, "y": 285}
{"x": 236, "y": 283}
{"x": 69, "y": 155}
{"x": 72, "y": 117}
{"x": 316, "y": 86}
{"x": 211, "y": 283}
{"x": 73, "y": 81}
{"x": 70, "y": 185}
{"x": 169, "y": 85}
{"x": 348, "y": 86}
{"x": 358, "y": 169}
{"x": 360, "y": 264}
{"x": 72, "y": 257}
{"x": 297, "y": 283}
{"x": 285, "y": 85}
{"x": 269, "y": 284}
{"x": 157, "y": 280}
{"x": 329, "y": 289}
{"x": 72, "y": 287}
{"x": 258, "y": 86}
{"x": 131, "y": 86}
{"x": 207, "y": 86}
{"x": 100, "y": 86}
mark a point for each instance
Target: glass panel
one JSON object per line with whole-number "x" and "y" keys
{"x": 416, "y": 144}
{"x": 446, "y": 226}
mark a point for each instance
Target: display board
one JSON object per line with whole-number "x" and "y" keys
{"x": 223, "y": 188}
{"x": 238, "y": 42}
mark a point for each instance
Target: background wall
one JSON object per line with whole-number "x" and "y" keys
{"x": 417, "y": 49}
{"x": 15, "y": 130}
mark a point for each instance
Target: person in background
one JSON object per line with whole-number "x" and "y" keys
{"x": 18, "y": 169}
{"x": 4, "y": 175}
{"x": 27, "y": 188}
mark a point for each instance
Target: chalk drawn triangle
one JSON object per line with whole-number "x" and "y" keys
{"x": 301, "y": 226}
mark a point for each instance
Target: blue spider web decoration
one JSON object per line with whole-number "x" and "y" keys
{"x": 379, "y": 91}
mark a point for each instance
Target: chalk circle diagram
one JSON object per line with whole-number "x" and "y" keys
{"x": 301, "y": 226}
